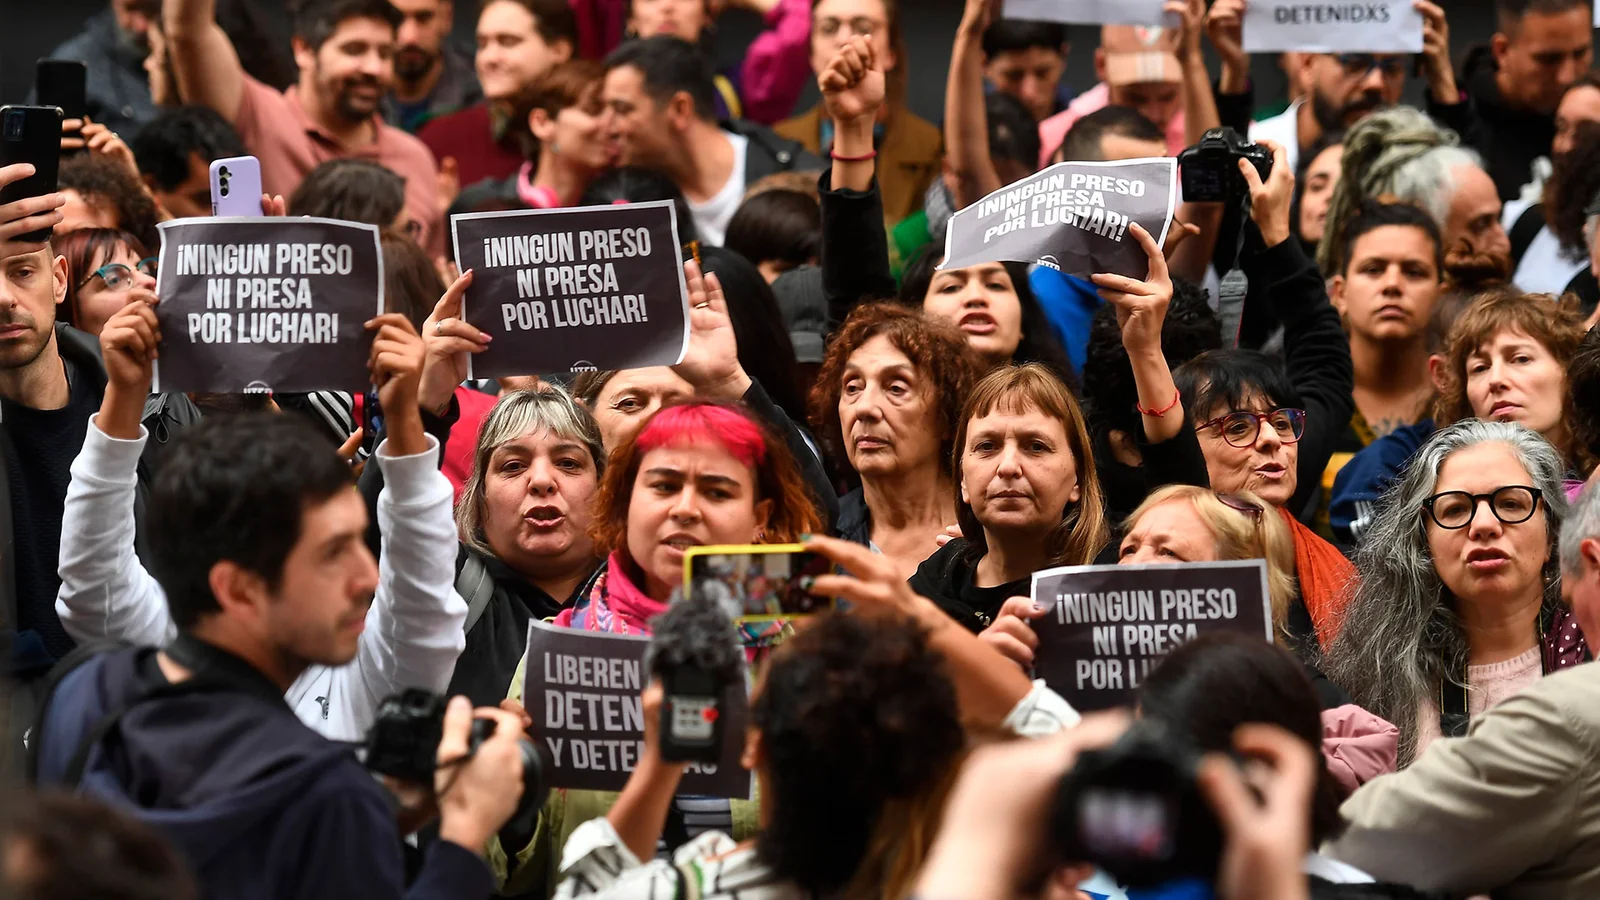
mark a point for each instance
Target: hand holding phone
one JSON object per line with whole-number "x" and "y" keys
{"x": 63, "y": 83}
{"x": 236, "y": 187}
{"x": 32, "y": 135}
{"x": 757, "y": 582}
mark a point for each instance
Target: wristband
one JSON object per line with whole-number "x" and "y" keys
{"x": 871, "y": 154}
{"x": 1158, "y": 413}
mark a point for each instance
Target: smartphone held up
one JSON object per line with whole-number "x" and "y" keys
{"x": 756, "y": 582}
{"x": 30, "y": 134}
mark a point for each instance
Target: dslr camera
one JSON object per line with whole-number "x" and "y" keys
{"x": 1209, "y": 170}
{"x": 1135, "y": 810}
{"x": 404, "y": 743}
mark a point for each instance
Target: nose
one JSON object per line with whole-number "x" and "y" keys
{"x": 1391, "y": 279}
{"x": 541, "y": 478}
{"x": 1267, "y": 439}
{"x": 142, "y": 280}
{"x": 408, "y": 32}
{"x": 686, "y": 506}
{"x": 1483, "y": 524}
{"x": 1372, "y": 81}
{"x": 1497, "y": 376}
{"x": 1010, "y": 461}
{"x": 973, "y": 296}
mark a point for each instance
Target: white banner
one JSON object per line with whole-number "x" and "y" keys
{"x": 1087, "y": 12}
{"x": 1332, "y": 26}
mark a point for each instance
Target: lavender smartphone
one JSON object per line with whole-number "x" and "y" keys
{"x": 236, "y": 186}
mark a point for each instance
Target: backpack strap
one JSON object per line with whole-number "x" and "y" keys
{"x": 476, "y": 587}
{"x": 58, "y": 673}
{"x": 730, "y": 97}
{"x": 1524, "y": 230}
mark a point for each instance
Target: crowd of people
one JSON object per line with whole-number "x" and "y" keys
{"x": 1377, "y": 373}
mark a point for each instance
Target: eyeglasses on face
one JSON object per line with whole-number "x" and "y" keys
{"x": 1512, "y": 504}
{"x": 1240, "y": 429}
{"x": 1357, "y": 65}
{"x": 119, "y": 277}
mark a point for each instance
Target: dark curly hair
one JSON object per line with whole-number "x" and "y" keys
{"x": 75, "y": 846}
{"x": 1190, "y": 329}
{"x": 108, "y": 187}
{"x": 857, "y": 715}
{"x": 1583, "y": 394}
{"x": 948, "y": 364}
{"x": 1574, "y": 182}
{"x": 1208, "y": 687}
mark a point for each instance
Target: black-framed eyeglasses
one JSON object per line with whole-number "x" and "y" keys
{"x": 1512, "y": 504}
{"x": 1236, "y": 502}
{"x": 119, "y": 277}
{"x": 1240, "y": 429}
{"x": 1357, "y": 65}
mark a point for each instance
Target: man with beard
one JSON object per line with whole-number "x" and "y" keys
{"x": 113, "y": 45}
{"x": 432, "y": 77}
{"x": 51, "y": 383}
{"x": 1512, "y": 86}
{"x": 345, "y": 52}
{"x": 1341, "y": 88}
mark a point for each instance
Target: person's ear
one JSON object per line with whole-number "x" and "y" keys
{"x": 1500, "y": 46}
{"x": 238, "y": 590}
{"x": 680, "y": 110}
{"x": 561, "y": 50}
{"x": 1100, "y": 63}
{"x": 59, "y": 276}
{"x": 763, "y": 520}
{"x": 542, "y": 126}
{"x": 1077, "y": 490}
{"x": 754, "y": 751}
{"x": 1436, "y": 370}
{"x": 305, "y": 56}
{"x": 1336, "y": 286}
{"x": 1123, "y": 449}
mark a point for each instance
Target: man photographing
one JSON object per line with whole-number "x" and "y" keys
{"x": 257, "y": 540}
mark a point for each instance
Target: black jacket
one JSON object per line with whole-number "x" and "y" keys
{"x": 769, "y": 153}
{"x": 261, "y": 806}
{"x": 948, "y": 578}
{"x": 1509, "y": 138}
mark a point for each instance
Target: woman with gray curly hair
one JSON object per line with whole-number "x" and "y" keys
{"x": 1459, "y": 604}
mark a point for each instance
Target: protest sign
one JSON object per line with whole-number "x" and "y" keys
{"x": 266, "y": 304}
{"x": 1108, "y": 626}
{"x": 1333, "y": 26}
{"x": 573, "y": 290}
{"x": 582, "y": 689}
{"x": 1087, "y": 12}
{"x": 1072, "y": 217}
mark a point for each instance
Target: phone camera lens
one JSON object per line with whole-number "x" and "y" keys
{"x": 13, "y": 125}
{"x": 224, "y": 173}
{"x": 224, "y": 190}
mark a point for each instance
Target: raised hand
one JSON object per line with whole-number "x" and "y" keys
{"x": 449, "y": 340}
{"x": 129, "y": 344}
{"x": 711, "y": 362}
{"x": 1141, "y": 305}
{"x": 1270, "y": 200}
{"x": 1225, "y": 27}
{"x": 26, "y": 215}
{"x": 1268, "y": 829}
{"x": 1010, "y": 632}
{"x": 396, "y": 368}
{"x": 1436, "y": 52}
{"x": 853, "y": 84}
{"x": 102, "y": 140}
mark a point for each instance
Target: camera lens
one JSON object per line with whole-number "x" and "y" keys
{"x": 13, "y": 125}
{"x": 224, "y": 189}
{"x": 224, "y": 173}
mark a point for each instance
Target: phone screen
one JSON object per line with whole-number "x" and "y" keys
{"x": 757, "y": 584}
{"x": 371, "y": 421}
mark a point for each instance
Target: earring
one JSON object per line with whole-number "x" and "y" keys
{"x": 760, "y": 534}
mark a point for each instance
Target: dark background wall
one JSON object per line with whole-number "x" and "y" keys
{"x": 32, "y": 27}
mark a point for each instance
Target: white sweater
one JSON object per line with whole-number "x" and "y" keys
{"x": 414, "y": 627}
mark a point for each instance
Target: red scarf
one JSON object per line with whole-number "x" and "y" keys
{"x": 1327, "y": 579}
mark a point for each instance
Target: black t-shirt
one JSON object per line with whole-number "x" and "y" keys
{"x": 949, "y": 579}
{"x": 40, "y": 446}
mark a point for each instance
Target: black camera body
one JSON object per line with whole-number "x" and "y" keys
{"x": 1135, "y": 810}
{"x": 404, "y": 740}
{"x": 1209, "y": 171}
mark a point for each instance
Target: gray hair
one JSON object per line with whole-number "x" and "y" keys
{"x": 1401, "y": 635}
{"x": 548, "y": 407}
{"x": 1583, "y": 521}
{"x": 1397, "y": 152}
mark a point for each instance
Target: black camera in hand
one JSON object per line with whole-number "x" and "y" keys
{"x": 1209, "y": 171}
{"x": 403, "y": 743}
{"x": 1135, "y": 810}
{"x": 696, "y": 654}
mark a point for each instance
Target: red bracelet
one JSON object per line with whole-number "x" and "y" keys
{"x": 873, "y": 154}
{"x": 1158, "y": 413}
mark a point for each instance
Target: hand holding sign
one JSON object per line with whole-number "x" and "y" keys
{"x": 396, "y": 367}
{"x": 1225, "y": 27}
{"x": 1271, "y": 201}
{"x": 853, "y": 84}
{"x": 1436, "y": 53}
{"x": 1141, "y": 305}
{"x": 711, "y": 361}
{"x": 1011, "y": 634}
{"x": 449, "y": 340}
{"x": 129, "y": 344}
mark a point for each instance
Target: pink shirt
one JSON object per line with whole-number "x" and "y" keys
{"x": 1486, "y": 687}
{"x": 1053, "y": 131}
{"x": 289, "y": 144}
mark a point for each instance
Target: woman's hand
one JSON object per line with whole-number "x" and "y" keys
{"x": 1267, "y": 839}
{"x": 447, "y": 340}
{"x": 1141, "y": 305}
{"x": 853, "y": 85}
{"x": 711, "y": 361}
{"x": 1010, "y": 632}
{"x": 872, "y": 581}
{"x": 1270, "y": 200}
{"x": 1225, "y": 27}
{"x": 129, "y": 344}
{"x": 1436, "y": 62}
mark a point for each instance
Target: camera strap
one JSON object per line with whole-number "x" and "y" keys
{"x": 1453, "y": 717}
{"x": 1235, "y": 285}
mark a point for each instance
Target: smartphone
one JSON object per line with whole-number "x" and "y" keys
{"x": 371, "y": 421}
{"x": 236, "y": 186}
{"x": 757, "y": 582}
{"x": 31, "y": 134}
{"x": 63, "y": 83}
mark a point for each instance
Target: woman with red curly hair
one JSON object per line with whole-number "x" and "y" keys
{"x": 697, "y": 473}
{"x": 886, "y": 404}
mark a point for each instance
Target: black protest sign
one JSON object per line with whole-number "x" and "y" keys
{"x": 1108, "y": 626}
{"x": 582, "y": 689}
{"x": 571, "y": 290}
{"x": 1072, "y": 217}
{"x": 266, "y": 304}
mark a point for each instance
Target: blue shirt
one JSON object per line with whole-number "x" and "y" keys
{"x": 1069, "y": 302}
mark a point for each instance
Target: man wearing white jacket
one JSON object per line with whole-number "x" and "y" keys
{"x": 413, "y": 629}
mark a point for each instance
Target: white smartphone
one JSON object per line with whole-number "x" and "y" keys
{"x": 236, "y": 186}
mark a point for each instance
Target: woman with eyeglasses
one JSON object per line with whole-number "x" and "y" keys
{"x": 102, "y": 264}
{"x": 1459, "y": 604}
